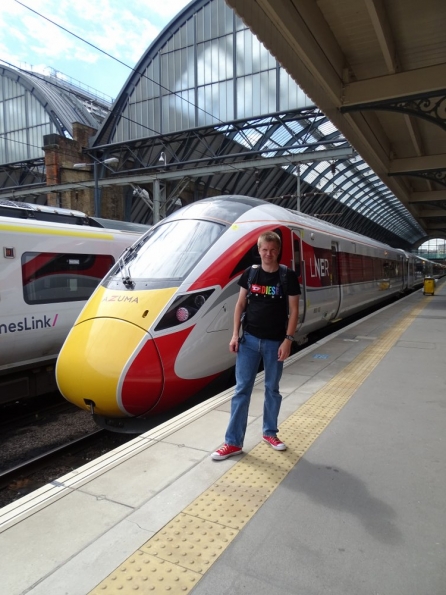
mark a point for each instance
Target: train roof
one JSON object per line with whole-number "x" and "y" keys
{"x": 120, "y": 225}
{"x": 21, "y": 210}
{"x": 231, "y": 207}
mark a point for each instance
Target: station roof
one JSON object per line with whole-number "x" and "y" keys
{"x": 378, "y": 71}
{"x": 33, "y": 105}
{"x": 63, "y": 103}
{"x": 260, "y": 157}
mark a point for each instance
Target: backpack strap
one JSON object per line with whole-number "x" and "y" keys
{"x": 253, "y": 272}
{"x": 284, "y": 282}
{"x": 283, "y": 269}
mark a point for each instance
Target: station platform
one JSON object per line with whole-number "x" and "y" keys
{"x": 355, "y": 506}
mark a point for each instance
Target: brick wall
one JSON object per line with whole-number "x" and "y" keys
{"x": 60, "y": 155}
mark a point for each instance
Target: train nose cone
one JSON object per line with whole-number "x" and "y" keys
{"x": 114, "y": 364}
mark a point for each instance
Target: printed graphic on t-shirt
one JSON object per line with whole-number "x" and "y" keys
{"x": 266, "y": 290}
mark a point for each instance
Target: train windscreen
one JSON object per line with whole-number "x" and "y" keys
{"x": 168, "y": 252}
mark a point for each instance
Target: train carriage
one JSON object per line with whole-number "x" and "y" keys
{"x": 48, "y": 270}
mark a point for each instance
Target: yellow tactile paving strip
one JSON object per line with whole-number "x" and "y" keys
{"x": 175, "y": 558}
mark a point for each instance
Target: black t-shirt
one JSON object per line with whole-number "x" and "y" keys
{"x": 266, "y": 314}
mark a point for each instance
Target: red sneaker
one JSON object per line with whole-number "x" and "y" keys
{"x": 275, "y": 442}
{"x": 227, "y": 450}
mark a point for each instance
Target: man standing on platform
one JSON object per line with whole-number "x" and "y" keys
{"x": 268, "y": 304}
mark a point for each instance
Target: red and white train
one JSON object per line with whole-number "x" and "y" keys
{"x": 157, "y": 328}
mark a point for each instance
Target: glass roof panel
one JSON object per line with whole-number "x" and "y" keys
{"x": 327, "y": 128}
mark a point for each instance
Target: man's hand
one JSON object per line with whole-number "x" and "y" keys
{"x": 284, "y": 350}
{"x": 233, "y": 344}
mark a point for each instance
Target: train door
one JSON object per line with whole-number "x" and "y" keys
{"x": 412, "y": 272}
{"x": 334, "y": 279}
{"x": 298, "y": 265}
{"x": 406, "y": 272}
{"x": 403, "y": 273}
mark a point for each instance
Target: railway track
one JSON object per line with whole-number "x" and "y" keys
{"x": 43, "y": 439}
{"x": 30, "y": 466}
{"x": 26, "y": 414}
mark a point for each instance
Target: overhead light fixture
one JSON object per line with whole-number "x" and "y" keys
{"x": 110, "y": 160}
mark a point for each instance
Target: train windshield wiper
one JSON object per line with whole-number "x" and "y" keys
{"x": 127, "y": 280}
{"x": 125, "y": 269}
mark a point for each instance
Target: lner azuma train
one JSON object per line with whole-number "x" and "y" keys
{"x": 48, "y": 270}
{"x": 157, "y": 329}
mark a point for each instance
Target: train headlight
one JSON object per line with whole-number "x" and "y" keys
{"x": 183, "y": 309}
{"x": 183, "y": 314}
{"x": 199, "y": 300}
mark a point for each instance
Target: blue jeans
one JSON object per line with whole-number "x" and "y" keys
{"x": 251, "y": 350}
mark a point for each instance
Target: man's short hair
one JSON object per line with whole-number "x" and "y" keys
{"x": 269, "y": 236}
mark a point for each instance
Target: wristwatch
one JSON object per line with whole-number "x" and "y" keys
{"x": 289, "y": 337}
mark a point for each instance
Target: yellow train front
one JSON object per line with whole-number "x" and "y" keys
{"x": 109, "y": 363}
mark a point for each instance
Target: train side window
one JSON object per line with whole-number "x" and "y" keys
{"x": 343, "y": 264}
{"x": 369, "y": 273}
{"x": 49, "y": 278}
{"x": 390, "y": 269}
{"x": 251, "y": 257}
{"x": 378, "y": 268}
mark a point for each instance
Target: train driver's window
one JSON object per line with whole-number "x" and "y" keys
{"x": 251, "y": 257}
{"x": 50, "y": 278}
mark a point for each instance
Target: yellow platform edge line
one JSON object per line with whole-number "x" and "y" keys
{"x": 177, "y": 556}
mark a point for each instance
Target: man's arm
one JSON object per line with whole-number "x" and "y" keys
{"x": 293, "y": 318}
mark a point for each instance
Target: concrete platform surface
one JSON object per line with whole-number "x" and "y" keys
{"x": 355, "y": 506}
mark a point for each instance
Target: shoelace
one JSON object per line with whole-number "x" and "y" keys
{"x": 226, "y": 448}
